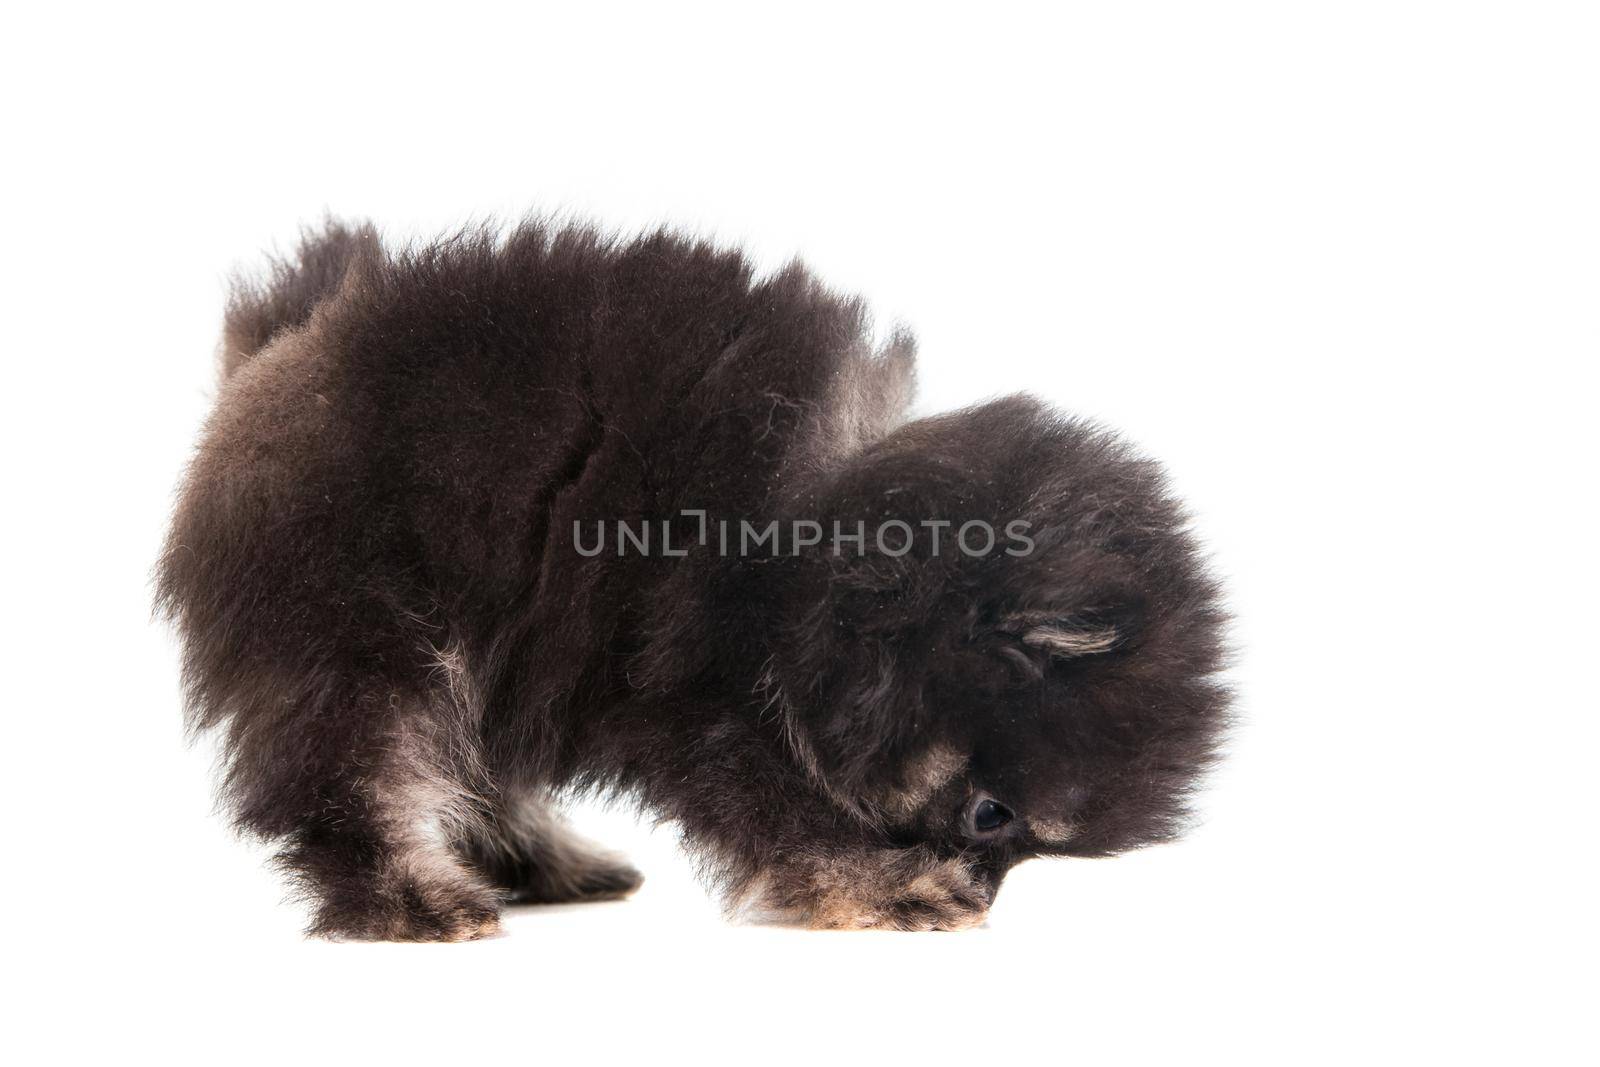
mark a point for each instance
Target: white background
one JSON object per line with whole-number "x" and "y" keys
{"x": 1336, "y": 264}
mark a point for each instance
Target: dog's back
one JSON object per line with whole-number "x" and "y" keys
{"x": 371, "y": 562}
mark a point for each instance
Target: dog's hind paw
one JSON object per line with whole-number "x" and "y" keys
{"x": 410, "y": 912}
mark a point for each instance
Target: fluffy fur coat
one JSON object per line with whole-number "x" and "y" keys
{"x": 384, "y": 571}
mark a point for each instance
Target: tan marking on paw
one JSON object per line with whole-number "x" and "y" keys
{"x": 878, "y": 890}
{"x": 466, "y": 927}
{"x": 475, "y": 932}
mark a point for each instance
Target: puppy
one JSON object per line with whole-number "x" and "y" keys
{"x": 505, "y": 516}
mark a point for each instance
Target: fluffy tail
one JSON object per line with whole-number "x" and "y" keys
{"x": 257, "y": 310}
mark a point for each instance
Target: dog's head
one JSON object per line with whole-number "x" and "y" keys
{"x": 1035, "y": 673}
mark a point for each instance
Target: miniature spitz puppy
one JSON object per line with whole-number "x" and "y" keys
{"x": 516, "y": 516}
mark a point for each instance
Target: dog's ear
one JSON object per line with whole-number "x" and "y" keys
{"x": 1105, "y": 624}
{"x": 1064, "y": 636}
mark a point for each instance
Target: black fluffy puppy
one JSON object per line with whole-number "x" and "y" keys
{"x": 504, "y": 516}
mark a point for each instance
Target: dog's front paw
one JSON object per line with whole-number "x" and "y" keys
{"x": 944, "y": 896}
{"x": 882, "y": 891}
